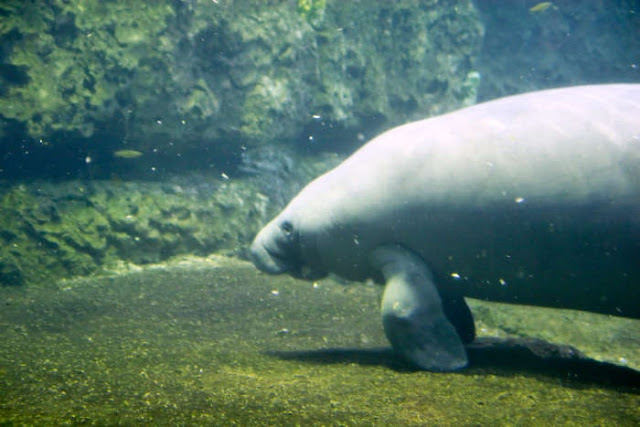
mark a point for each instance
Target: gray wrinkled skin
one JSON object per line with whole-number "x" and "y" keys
{"x": 531, "y": 199}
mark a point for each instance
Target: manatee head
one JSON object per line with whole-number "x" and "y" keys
{"x": 282, "y": 246}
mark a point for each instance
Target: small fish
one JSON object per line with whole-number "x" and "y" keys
{"x": 541, "y": 7}
{"x": 127, "y": 154}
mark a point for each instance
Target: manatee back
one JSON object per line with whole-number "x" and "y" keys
{"x": 561, "y": 145}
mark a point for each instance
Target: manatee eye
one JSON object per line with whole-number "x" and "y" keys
{"x": 287, "y": 228}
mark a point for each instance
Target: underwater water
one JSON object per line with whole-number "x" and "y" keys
{"x": 143, "y": 146}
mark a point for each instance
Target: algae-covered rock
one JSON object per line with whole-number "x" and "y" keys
{"x": 78, "y": 57}
{"x": 204, "y": 78}
{"x": 50, "y": 231}
{"x": 399, "y": 60}
{"x": 39, "y": 243}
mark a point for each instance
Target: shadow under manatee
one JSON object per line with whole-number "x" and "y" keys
{"x": 497, "y": 356}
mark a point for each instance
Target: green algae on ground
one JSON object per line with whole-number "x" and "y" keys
{"x": 219, "y": 343}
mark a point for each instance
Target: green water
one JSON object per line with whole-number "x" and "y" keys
{"x": 224, "y": 344}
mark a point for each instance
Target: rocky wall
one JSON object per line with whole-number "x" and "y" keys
{"x": 191, "y": 84}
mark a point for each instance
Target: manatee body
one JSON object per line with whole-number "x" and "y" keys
{"x": 531, "y": 199}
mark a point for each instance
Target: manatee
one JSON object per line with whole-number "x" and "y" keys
{"x": 530, "y": 199}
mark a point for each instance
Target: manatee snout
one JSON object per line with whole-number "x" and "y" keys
{"x": 276, "y": 250}
{"x": 264, "y": 257}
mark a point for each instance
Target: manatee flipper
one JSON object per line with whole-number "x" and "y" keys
{"x": 412, "y": 313}
{"x": 458, "y": 312}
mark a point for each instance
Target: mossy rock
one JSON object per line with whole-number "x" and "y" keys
{"x": 202, "y": 78}
{"x": 51, "y": 231}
